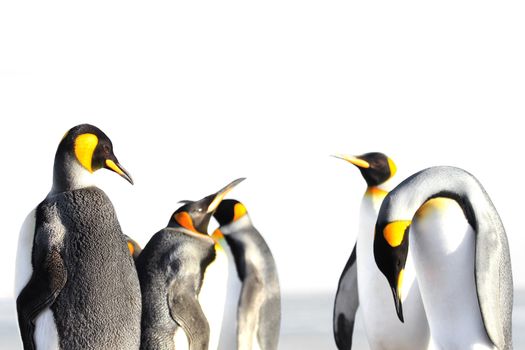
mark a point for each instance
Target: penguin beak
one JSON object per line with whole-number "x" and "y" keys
{"x": 396, "y": 291}
{"x": 114, "y": 165}
{"x": 219, "y": 196}
{"x": 358, "y": 162}
{"x": 397, "y": 302}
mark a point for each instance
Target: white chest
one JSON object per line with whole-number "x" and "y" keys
{"x": 443, "y": 246}
{"x": 213, "y": 294}
{"x": 228, "y": 336}
{"x": 375, "y": 298}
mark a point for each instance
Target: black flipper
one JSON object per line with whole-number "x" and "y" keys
{"x": 48, "y": 278}
{"x": 187, "y": 312}
{"x": 346, "y": 303}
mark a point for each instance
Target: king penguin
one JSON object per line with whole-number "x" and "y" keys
{"x": 259, "y": 302}
{"x": 182, "y": 286}
{"x": 76, "y": 283}
{"x": 461, "y": 255}
{"x": 361, "y": 282}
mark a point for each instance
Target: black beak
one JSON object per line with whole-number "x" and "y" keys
{"x": 399, "y": 306}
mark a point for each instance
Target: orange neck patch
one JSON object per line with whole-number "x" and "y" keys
{"x": 239, "y": 211}
{"x": 376, "y": 192}
{"x": 184, "y": 219}
{"x": 217, "y": 234}
{"x": 434, "y": 204}
{"x": 131, "y": 248}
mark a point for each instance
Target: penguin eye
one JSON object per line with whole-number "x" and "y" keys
{"x": 106, "y": 149}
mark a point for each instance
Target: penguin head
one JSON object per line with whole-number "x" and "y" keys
{"x": 228, "y": 211}
{"x": 390, "y": 253}
{"x": 195, "y": 215}
{"x": 90, "y": 148}
{"x": 375, "y": 167}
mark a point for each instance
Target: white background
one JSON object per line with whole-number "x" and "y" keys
{"x": 196, "y": 94}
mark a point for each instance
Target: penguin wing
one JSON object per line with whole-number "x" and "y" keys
{"x": 494, "y": 280}
{"x": 186, "y": 311}
{"x": 250, "y": 302}
{"x": 48, "y": 278}
{"x": 346, "y": 303}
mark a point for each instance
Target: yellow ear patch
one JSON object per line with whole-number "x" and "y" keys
{"x": 184, "y": 219}
{"x": 392, "y": 166}
{"x": 239, "y": 210}
{"x": 395, "y": 231}
{"x": 85, "y": 145}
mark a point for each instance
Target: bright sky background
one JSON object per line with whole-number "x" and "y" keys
{"x": 196, "y": 94}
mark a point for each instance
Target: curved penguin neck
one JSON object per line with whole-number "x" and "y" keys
{"x": 457, "y": 184}
{"x": 69, "y": 175}
{"x": 447, "y": 182}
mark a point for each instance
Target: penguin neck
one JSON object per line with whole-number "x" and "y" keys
{"x": 447, "y": 182}
{"x": 235, "y": 226}
{"x": 370, "y": 204}
{"x": 69, "y": 175}
{"x": 385, "y": 187}
{"x": 375, "y": 191}
{"x": 374, "y": 196}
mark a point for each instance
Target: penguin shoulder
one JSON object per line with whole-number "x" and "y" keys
{"x": 85, "y": 199}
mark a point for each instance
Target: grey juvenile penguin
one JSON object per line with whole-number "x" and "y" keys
{"x": 175, "y": 268}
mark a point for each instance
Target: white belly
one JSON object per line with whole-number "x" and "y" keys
{"x": 228, "y": 336}
{"x": 45, "y": 335}
{"x": 383, "y": 328}
{"x": 443, "y": 245}
{"x": 213, "y": 295}
{"x": 181, "y": 340}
